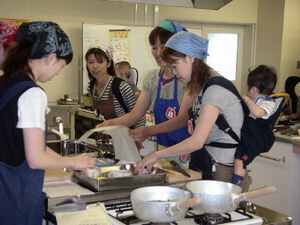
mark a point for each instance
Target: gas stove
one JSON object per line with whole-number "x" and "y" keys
{"x": 121, "y": 213}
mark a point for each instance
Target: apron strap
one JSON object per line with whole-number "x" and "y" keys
{"x": 14, "y": 90}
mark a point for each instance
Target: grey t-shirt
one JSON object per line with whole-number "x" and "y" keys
{"x": 229, "y": 106}
{"x": 150, "y": 84}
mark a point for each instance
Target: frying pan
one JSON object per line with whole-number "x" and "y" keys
{"x": 161, "y": 204}
{"x": 222, "y": 197}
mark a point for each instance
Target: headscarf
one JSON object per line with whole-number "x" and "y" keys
{"x": 8, "y": 32}
{"x": 172, "y": 26}
{"x": 109, "y": 52}
{"x": 189, "y": 44}
{"x": 47, "y": 38}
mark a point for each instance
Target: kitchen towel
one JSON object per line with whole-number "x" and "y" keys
{"x": 124, "y": 146}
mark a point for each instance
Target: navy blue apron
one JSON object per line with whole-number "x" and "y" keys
{"x": 165, "y": 109}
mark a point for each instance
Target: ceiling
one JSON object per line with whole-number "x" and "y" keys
{"x": 199, "y": 4}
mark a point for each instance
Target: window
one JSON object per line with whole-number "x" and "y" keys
{"x": 223, "y": 54}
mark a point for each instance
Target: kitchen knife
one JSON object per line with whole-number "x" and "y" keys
{"x": 179, "y": 169}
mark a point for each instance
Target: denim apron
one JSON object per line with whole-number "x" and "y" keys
{"x": 165, "y": 109}
{"x": 22, "y": 199}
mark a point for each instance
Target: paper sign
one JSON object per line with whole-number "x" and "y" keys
{"x": 94, "y": 216}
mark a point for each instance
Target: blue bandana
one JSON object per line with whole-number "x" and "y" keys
{"x": 189, "y": 44}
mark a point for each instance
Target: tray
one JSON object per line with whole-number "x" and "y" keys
{"x": 104, "y": 182}
{"x": 67, "y": 102}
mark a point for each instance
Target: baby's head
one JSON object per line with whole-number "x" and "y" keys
{"x": 123, "y": 70}
{"x": 264, "y": 78}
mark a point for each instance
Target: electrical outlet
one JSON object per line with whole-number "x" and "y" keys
{"x": 298, "y": 65}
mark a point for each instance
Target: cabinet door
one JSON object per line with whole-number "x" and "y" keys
{"x": 267, "y": 172}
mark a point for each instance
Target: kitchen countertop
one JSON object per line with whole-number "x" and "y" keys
{"x": 288, "y": 134}
{"x": 293, "y": 140}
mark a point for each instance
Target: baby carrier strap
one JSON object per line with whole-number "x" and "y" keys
{"x": 116, "y": 91}
{"x": 271, "y": 121}
{"x": 258, "y": 129}
{"x": 14, "y": 90}
{"x": 221, "y": 122}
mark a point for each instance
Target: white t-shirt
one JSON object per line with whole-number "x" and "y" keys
{"x": 32, "y": 109}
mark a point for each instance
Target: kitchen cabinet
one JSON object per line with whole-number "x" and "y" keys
{"x": 281, "y": 169}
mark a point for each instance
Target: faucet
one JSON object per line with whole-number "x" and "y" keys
{"x": 60, "y": 124}
{"x": 63, "y": 137}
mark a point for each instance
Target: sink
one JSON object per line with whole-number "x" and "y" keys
{"x": 56, "y": 146}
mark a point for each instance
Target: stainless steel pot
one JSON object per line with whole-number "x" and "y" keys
{"x": 106, "y": 148}
{"x": 160, "y": 204}
{"x": 222, "y": 197}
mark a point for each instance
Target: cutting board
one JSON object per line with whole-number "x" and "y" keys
{"x": 56, "y": 175}
{"x": 173, "y": 176}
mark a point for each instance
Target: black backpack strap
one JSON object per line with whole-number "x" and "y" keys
{"x": 116, "y": 91}
{"x": 223, "y": 125}
{"x": 14, "y": 90}
{"x": 221, "y": 122}
{"x": 273, "y": 119}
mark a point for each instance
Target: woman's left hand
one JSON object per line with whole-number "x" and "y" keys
{"x": 139, "y": 134}
{"x": 147, "y": 162}
{"x": 186, "y": 157}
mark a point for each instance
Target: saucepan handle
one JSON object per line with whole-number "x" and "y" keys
{"x": 182, "y": 205}
{"x": 256, "y": 193}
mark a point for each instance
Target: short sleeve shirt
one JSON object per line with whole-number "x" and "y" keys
{"x": 32, "y": 106}
{"x": 268, "y": 105}
{"x": 231, "y": 108}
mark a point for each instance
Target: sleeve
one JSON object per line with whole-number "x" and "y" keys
{"x": 32, "y": 108}
{"x": 150, "y": 82}
{"x": 130, "y": 100}
{"x": 268, "y": 106}
{"x": 217, "y": 96}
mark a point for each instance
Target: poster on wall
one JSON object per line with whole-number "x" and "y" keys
{"x": 130, "y": 43}
{"x": 119, "y": 41}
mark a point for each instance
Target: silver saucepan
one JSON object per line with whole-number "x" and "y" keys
{"x": 222, "y": 197}
{"x": 160, "y": 204}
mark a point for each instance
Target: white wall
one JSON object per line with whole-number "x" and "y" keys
{"x": 70, "y": 14}
{"x": 278, "y": 32}
{"x": 290, "y": 53}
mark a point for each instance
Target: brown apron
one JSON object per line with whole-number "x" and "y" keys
{"x": 107, "y": 109}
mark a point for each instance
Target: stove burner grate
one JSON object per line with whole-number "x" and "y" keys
{"x": 212, "y": 218}
{"x": 122, "y": 211}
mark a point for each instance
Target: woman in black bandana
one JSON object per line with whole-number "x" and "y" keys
{"x": 43, "y": 49}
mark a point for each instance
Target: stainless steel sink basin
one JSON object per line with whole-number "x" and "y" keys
{"x": 57, "y": 146}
